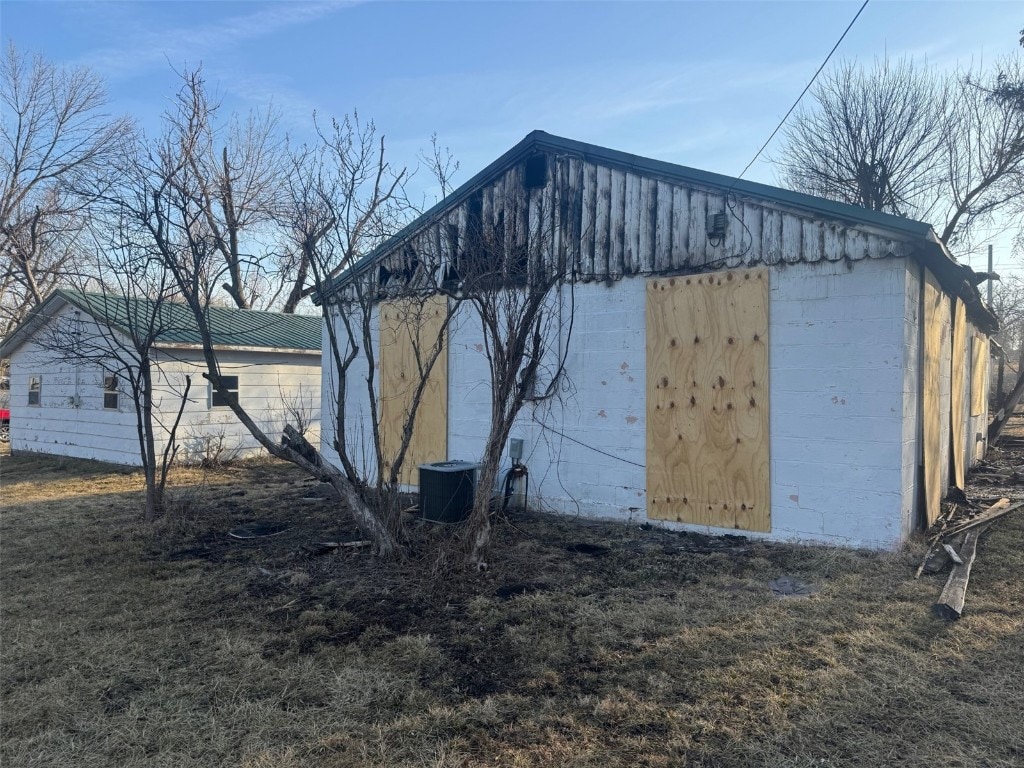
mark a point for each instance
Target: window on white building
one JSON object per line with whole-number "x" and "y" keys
{"x": 111, "y": 395}
{"x": 35, "y": 389}
{"x": 217, "y": 400}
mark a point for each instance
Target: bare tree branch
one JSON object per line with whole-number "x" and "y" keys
{"x": 903, "y": 139}
{"x": 56, "y": 147}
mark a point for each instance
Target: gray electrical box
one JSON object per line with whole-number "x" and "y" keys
{"x": 515, "y": 448}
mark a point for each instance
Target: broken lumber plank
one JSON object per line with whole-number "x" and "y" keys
{"x": 953, "y": 554}
{"x": 944, "y": 520}
{"x": 940, "y": 560}
{"x": 951, "y": 602}
{"x": 994, "y": 512}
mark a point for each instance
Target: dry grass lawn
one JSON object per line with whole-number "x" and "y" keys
{"x": 175, "y": 645}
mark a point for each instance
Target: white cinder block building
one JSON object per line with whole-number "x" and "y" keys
{"x": 737, "y": 357}
{"x": 75, "y": 406}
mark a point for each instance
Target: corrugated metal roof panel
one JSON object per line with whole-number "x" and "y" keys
{"x": 229, "y": 327}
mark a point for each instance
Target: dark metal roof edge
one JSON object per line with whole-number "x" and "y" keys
{"x": 958, "y": 280}
{"x": 813, "y": 203}
{"x": 542, "y": 140}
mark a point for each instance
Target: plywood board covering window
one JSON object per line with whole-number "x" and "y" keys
{"x": 958, "y": 420}
{"x": 707, "y": 399}
{"x": 409, "y": 331}
{"x": 979, "y": 375}
{"x": 936, "y": 326}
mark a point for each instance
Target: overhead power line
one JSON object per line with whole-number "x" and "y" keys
{"x": 806, "y": 88}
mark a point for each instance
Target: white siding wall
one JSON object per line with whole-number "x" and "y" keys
{"x": 59, "y": 426}
{"x": 267, "y": 381}
{"x": 838, "y": 390}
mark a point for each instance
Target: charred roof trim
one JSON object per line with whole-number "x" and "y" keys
{"x": 955, "y": 278}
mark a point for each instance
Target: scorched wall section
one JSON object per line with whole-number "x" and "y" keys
{"x": 836, "y": 351}
{"x": 838, "y": 391}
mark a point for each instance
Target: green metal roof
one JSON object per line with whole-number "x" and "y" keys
{"x": 229, "y": 327}
{"x": 175, "y": 324}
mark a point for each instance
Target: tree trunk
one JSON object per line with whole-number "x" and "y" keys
{"x": 154, "y": 489}
{"x": 299, "y": 451}
{"x": 480, "y": 517}
{"x": 479, "y": 537}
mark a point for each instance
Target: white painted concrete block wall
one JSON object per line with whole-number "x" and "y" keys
{"x": 836, "y": 350}
{"x": 836, "y": 398}
{"x": 911, "y": 447}
{"x": 359, "y": 425}
{"x": 596, "y": 465}
{"x": 838, "y": 386}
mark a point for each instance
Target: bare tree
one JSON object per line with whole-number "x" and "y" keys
{"x": 513, "y": 272}
{"x": 345, "y": 199}
{"x": 505, "y": 269}
{"x": 869, "y": 138}
{"x": 127, "y": 319}
{"x": 905, "y": 140}
{"x": 983, "y": 149}
{"x": 57, "y": 144}
{"x": 1008, "y": 307}
{"x": 237, "y": 168}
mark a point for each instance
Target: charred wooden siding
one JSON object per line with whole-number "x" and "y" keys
{"x": 611, "y": 221}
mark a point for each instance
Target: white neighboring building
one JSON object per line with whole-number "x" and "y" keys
{"x": 737, "y": 356}
{"x": 75, "y": 408}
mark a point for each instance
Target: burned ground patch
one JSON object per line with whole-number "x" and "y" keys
{"x": 584, "y": 643}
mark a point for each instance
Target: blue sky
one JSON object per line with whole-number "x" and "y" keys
{"x": 697, "y": 83}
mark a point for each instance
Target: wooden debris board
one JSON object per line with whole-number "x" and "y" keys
{"x": 950, "y": 605}
{"x": 409, "y": 329}
{"x": 979, "y": 374}
{"x": 707, "y": 399}
{"x": 958, "y": 416}
{"x": 936, "y": 325}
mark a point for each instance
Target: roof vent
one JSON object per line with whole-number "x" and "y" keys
{"x": 535, "y": 172}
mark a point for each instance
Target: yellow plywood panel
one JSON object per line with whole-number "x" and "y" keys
{"x": 958, "y": 425}
{"x": 410, "y": 329}
{"x": 936, "y": 318}
{"x": 707, "y": 399}
{"x": 979, "y": 375}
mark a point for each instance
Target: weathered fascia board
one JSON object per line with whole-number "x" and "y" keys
{"x": 614, "y": 221}
{"x": 230, "y": 348}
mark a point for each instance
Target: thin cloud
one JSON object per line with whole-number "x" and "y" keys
{"x": 156, "y": 48}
